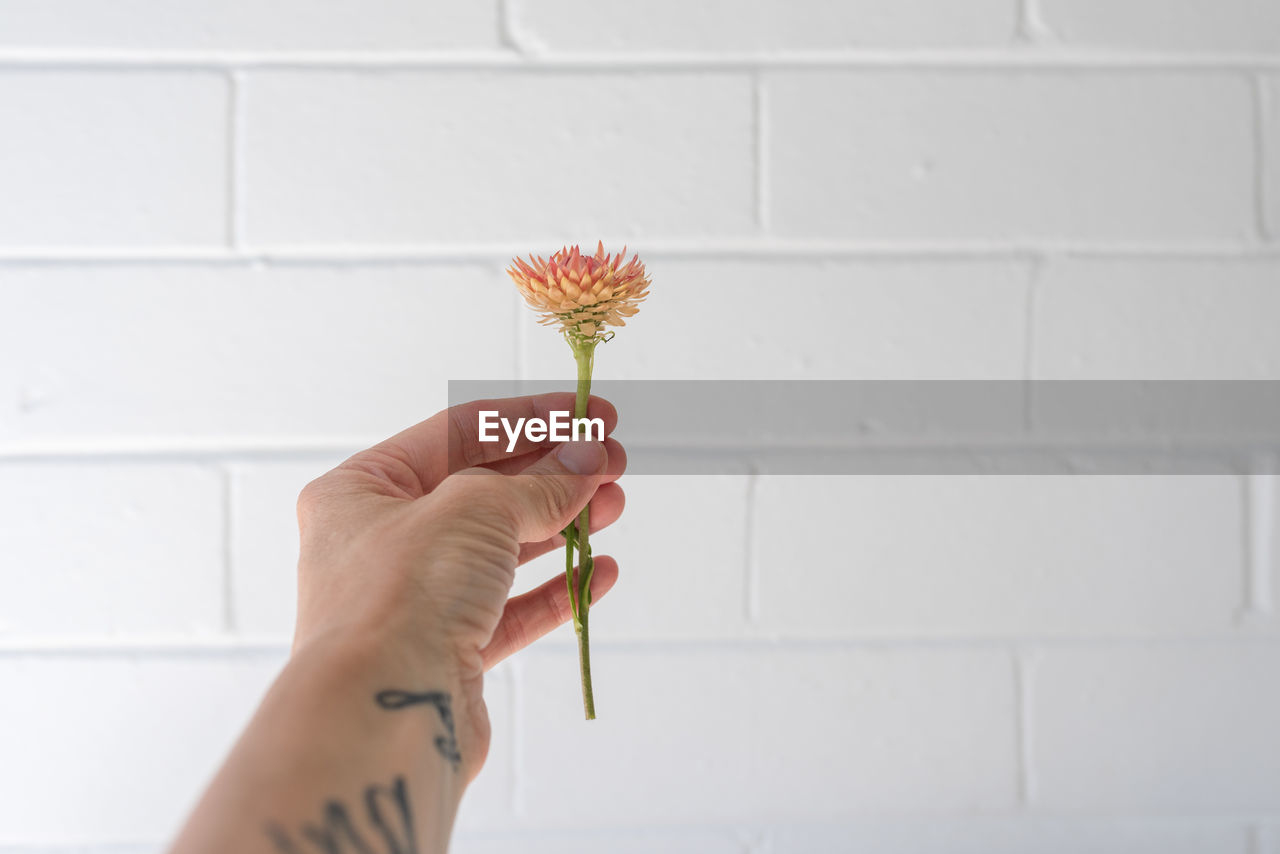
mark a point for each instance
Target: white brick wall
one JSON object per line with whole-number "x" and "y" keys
{"x": 1052, "y": 836}
{"x": 879, "y": 319}
{"x": 155, "y": 175}
{"x": 108, "y": 748}
{"x": 941, "y": 556}
{"x": 1099, "y": 156}
{"x": 225, "y": 352}
{"x": 241, "y": 240}
{"x": 1223, "y": 25}
{"x": 1096, "y": 747}
{"x": 1200, "y": 319}
{"x": 111, "y": 549}
{"x": 459, "y": 156}
{"x": 584, "y": 26}
{"x": 249, "y": 26}
{"x": 742, "y": 734}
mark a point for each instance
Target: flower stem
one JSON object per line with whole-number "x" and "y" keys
{"x": 580, "y": 599}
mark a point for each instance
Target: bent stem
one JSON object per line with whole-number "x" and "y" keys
{"x": 577, "y": 534}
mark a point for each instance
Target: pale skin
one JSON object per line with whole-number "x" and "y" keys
{"x": 377, "y": 724}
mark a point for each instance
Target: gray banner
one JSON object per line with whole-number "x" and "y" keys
{"x": 917, "y": 427}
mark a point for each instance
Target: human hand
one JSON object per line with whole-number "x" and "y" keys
{"x": 395, "y": 548}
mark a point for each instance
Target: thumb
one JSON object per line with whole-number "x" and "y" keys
{"x": 541, "y": 500}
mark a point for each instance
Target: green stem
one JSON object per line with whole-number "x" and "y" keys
{"x": 584, "y": 354}
{"x": 584, "y": 666}
{"x": 570, "y": 540}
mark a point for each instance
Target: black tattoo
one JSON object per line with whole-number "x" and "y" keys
{"x": 446, "y": 744}
{"x": 336, "y": 834}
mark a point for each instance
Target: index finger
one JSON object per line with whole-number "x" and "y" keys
{"x": 449, "y": 441}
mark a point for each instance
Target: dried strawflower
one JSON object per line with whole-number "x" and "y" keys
{"x": 585, "y": 296}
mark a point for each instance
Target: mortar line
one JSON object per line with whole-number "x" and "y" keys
{"x": 1034, "y": 272}
{"x": 1264, "y": 161}
{"x": 958, "y": 59}
{"x": 229, "y": 617}
{"x": 750, "y": 568}
{"x": 506, "y": 29}
{"x": 1022, "y": 28}
{"x": 1265, "y": 837}
{"x": 759, "y": 118}
{"x": 221, "y": 645}
{"x": 516, "y": 686}
{"x": 747, "y": 247}
{"x": 1260, "y": 535}
{"x": 1221, "y": 452}
{"x": 234, "y": 189}
{"x": 1022, "y": 728}
{"x": 520, "y": 337}
{"x": 757, "y": 841}
{"x": 1254, "y": 839}
{"x": 1031, "y": 23}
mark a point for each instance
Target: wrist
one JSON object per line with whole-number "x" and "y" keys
{"x": 413, "y": 686}
{"x": 369, "y": 655}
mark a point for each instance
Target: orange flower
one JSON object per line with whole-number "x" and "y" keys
{"x": 584, "y": 294}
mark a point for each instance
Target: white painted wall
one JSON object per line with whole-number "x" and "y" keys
{"x": 240, "y": 240}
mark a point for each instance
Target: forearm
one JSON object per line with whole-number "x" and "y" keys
{"x": 353, "y": 749}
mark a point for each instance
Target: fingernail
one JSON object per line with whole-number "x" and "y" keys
{"x": 581, "y": 457}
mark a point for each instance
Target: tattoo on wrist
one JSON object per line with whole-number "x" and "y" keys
{"x": 337, "y": 834}
{"x": 447, "y": 744}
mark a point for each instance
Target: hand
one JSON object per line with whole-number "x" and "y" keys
{"x": 395, "y": 548}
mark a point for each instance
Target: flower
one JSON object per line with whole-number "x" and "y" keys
{"x": 584, "y": 294}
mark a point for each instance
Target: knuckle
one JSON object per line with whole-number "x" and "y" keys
{"x": 556, "y": 603}
{"x": 556, "y": 495}
{"x": 516, "y": 630}
{"x": 464, "y": 436}
{"x": 475, "y": 516}
{"x": 309, "y": 497}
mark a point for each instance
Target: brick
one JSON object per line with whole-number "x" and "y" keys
{"x": 154, "y": 173}
{"x": 1005, "y": 836}
{"x": 574, "y": 26}
{"x": 264, "y": 544}
{"x": 272, "y": 353}
{"x": 1224, "y": 25}
{"x": 488, "y": 801}
{"x": 754, "y": 728}
{"x": 170, "y": 719}
{"x": 437, "y": 157}
{"x": 1183, "y": 728}
{"x": 1265, "y": 545}
{"x": 678, "y": 578}
{"x": 881, "y": 319}
{"x": 999, "y": 556}
{"x": 110, "y": 549}
{"x": 1271, "y": 160}
{"x": 1196, "y": 319}
{"x": 243, "y": 25}
{"x": 129, "y": 771}
{"x": 1032, "y": 156}
{"x": 630, "y": 841}
{"x": 91, "y": 849}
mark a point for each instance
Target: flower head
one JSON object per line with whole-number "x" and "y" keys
{"x": 583, "y": 294}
